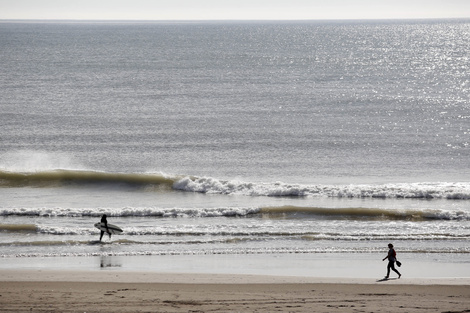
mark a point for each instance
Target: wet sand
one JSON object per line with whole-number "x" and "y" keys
{"x": 118, "y": 291}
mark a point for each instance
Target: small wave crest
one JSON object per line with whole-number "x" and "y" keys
{"x": 210, "y": 235}
{"x": 291, "y": 212}
{"x": 18, "y": 228}
{"x": 368, "y": 213}
{"x": 231, "y": 251}
{"x": 130, "y": 212}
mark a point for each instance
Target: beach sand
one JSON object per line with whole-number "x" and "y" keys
{"x": 118, "y": 291}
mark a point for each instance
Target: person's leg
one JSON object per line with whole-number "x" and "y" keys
{"x": 390, "y": 264}
{"x": 101, "y": 236}
{"x": 394, "y": 269}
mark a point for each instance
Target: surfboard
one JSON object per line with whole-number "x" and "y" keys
{"x": 113, "y": 229}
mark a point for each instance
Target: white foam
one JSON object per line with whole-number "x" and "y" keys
{"x": 441, "y": 190}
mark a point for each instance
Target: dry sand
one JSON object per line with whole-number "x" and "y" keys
{"x": 115, "y": 291}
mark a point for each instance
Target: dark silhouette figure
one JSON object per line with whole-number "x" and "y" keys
{"x": 391, "y": 261}
{"x": 105, "y": 221}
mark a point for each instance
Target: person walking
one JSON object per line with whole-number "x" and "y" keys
{"x": 392, "y": 258}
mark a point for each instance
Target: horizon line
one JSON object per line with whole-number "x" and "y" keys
{"x": 231, "y": 20}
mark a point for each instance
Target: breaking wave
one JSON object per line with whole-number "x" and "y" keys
{"x": 209, "y": 185}
{"x": 443, "y": 190}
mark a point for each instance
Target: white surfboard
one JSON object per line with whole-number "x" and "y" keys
{"x": 113, "y": 229}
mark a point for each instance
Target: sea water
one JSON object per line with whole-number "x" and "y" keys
{"x": 266, "y": 139}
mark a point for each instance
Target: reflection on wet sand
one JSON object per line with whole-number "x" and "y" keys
{"x": 110, "y": 261}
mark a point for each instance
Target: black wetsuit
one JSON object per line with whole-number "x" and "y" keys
{"x": 105, "y": 221}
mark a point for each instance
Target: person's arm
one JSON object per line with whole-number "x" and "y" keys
{"x": 388, "y": 254}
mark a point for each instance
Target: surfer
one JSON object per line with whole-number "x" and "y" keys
{"x": 105, "y": 221}
{"x": 391, "y": 256}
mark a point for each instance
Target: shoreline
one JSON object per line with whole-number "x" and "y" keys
{"x": 90, "y": 276}
{"x": 333, "y": 265}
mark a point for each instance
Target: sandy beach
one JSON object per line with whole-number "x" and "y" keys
{"x": 110, "y": 291}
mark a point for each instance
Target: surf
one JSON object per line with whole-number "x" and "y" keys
{"x": 439, "y": 190}
{"x": 266, "y": 212}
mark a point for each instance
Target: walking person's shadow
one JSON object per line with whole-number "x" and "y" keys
{"x": 386, "y": 279}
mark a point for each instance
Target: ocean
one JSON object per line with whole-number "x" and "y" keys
{"x": 262, "y": 139}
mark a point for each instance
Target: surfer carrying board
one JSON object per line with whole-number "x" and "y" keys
{"x": 105, "y": 222}
{"x": 104, "y": 226}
